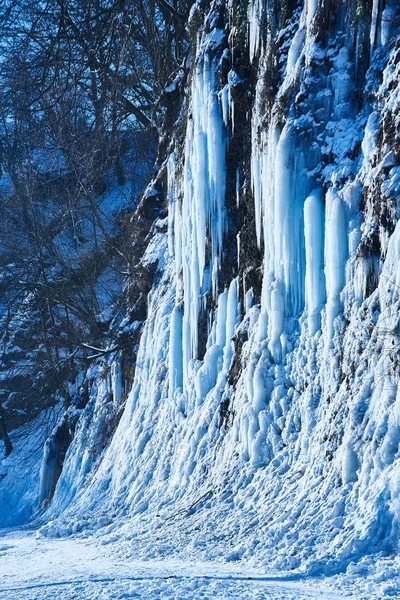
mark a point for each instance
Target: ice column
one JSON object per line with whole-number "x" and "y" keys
{"x": 218, "y": 357}
{"x": 116, "y": 381}
{"x": 311, "y": 6}
{"x": 288, "y": 221}
{"x": 197, "y": 223}
{"x": 175, "y": 352}
{"x": 374, "y": 33}
{"x": 279, "y": 188}
{"x": 269, "y": 147}
{"x": 277, "y": 319}
{"x": 50, "y": 469}
{"x": 254, "y": 15}
{"x": 315, "y": 278}
{"x": 335, "y": 256}
{"x": 256, "y": 180}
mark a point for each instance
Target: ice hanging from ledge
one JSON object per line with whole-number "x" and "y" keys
{"x": 336, "y": 251}
{"x": 280, "y": 189}
{"x": 197, "y": 223}
{"x": 314, "y": 237}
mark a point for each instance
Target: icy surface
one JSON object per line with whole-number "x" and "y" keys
{"x": 85, "y": 569}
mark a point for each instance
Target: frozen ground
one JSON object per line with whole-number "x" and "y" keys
{"x": 35, "y": 568}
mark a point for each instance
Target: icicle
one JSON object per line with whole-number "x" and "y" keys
{"x": 295, "y": 51}
{"x": 218, "y": 357}
{"x": 276, "y": 321}
{"x": 288, "y": 223}
{"x": 249, "y": 300}
{"x": 256, "y": 181}
{"x": 282, "y": 203}
{"x": 255, "y": 14}
{"x": 175, "y": 352}
{"x": 116, "y": 381}
{"x": 314, "y": 238}
{"x": 171, "y": 195}
{"x": 311, "y": 6}
{"x": 231, "y": 310}
{"x": 388, "y": 19}
{"x": 201, "y": 219}
{"x": 49, "y": 470}
{"x": 225, "y": 104}
{"x": 268, "y": 211}
{"x": 221, "y": 319}
{"x": 343, "y": 85}
{"x": 335, "y": 256}
{"x": 373, "y": 35}
{"x": 237, "y": 188}
{"x": 232, "y": 314}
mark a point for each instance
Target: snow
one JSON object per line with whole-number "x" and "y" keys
{"x": 36, "y": 568}
{"x": 33, "y": 568}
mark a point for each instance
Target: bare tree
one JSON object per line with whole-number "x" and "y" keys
{"x": 80, "y": 116}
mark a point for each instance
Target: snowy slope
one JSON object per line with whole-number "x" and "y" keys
{"x": 264, "y": 423}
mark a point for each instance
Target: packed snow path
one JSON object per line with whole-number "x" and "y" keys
{"x": 36, "y": 568}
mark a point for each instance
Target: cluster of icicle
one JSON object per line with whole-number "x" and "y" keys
{"x": 305, "y": 235}
{"x": 197, "y": 219}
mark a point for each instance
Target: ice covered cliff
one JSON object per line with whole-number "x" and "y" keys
{"x": 264, "y": 419}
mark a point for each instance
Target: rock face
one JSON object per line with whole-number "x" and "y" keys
{"x": 264, "y": 417}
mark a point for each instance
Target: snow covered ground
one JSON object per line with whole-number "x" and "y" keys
{"x": 34, "y": 568}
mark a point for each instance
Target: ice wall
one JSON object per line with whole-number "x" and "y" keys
{"x": 286, "y": 430}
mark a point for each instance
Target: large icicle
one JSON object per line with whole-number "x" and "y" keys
{"x": 315, "y": 279}
{"x": 255, "y": 13}
{"x": 279, "y": 189}
{"x": 335, "y": 256}
{"x": 197, "y": 225}
{"x": 311, "y": 6}
{"x": 175, "y": 351}
{"x": 288, "y": 222}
